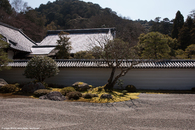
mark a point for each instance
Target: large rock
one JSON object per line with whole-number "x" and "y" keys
{"x": 2, "y": 82}
{"x": 106, "y": 96}
{"x": 55, "y": 96}
{"x": 32, "y": 87}
{"x": 80, "y": 86}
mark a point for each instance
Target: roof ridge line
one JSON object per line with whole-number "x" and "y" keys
{"x": 81, "y": 31}
{"x": 84, "y": 29}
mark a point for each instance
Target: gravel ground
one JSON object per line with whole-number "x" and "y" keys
{"x": 150, "y": 111}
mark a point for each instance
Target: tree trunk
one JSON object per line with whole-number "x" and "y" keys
{"x": 112, "y": 81}
{"x": 110, "y": 85}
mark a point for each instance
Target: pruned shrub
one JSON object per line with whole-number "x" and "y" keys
{"x": 95, "y": 95}
{"x": 40, "y": 68}
{"x": 124, "y": 92}
{"x": 89, "y": 95}
{"x": 32, "y": 87}
{"x": 45, "y": 84}
{"x": 130, "y": 88}
{"x": 66, "y": 90}
{"x": 74, "y": 95}
{"x": 9, "y": 88}
{"x": 193, "y": 89}
{"x": 41, "y": 92}
{"x": 100, "y": 89}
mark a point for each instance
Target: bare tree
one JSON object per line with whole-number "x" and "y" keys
{"x": 115, "y": 53}
{"x": 20, "y": 6}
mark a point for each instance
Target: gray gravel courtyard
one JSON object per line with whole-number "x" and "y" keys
{"x": 150, "y": 111}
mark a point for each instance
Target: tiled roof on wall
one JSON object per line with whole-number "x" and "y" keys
{"x": 75, "y": 63}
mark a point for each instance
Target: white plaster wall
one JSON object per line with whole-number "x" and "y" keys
{"x": 173, "y": 79}
{"x": 10, "y": 54}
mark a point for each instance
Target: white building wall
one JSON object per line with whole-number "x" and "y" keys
{"x": 10, "y": 54}
{"x": 172, "y": 79}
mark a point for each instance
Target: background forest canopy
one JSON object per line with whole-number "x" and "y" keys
{"x": 76, "y": 14}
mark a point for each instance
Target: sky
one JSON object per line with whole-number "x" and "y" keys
{"x": 139, "y": 9}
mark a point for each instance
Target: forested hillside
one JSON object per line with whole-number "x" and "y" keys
{"x": 68, "y": 14}
{"x": 28, "y": 20}
{"x": 72, "y": 14}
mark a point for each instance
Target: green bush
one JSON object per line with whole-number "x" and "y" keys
{"x": 100, "y": 89}
{"x": 193, "y": 89}
{"x": 95, "y": 95}
{"x": 89, "y": 95}
{"x": 21, "y": 85}
{"x": 9, "y": 88}
{"x": 40, "y": 68}
{"x": 74, "y": 95}
{"x": 41, "y": 92}
{"x": 124, "y": 92}
{"x": 66, "y": 90}
{"x": 44, "y": 83}
{"x": 130, "y": 88}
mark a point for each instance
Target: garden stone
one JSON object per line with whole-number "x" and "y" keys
{"x": 80, "y": 86}
{"x": 106, "y": 96}
{"x": 55, "y": 96}
{"x": 2, "y": 82}
{"x": 95, "y": 95}
{"x": 32, "y": 87}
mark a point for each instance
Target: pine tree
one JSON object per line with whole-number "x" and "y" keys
{"x": 177, "y": 24}
{"x": 3, "y": 55}
{"x": 184, "y": 36}
{"x": 5, "y": 6}
{"x": 63, "y": 47}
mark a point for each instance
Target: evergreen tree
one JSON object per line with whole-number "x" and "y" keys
{"x": 3, "y": 55}
{"x": 177, "y": 24}
{"x": 184, "y": 36}
{"x": 165, "y": 27}
{"x": 5, "y": 6}
{"x": 192, "y": 34}
{"x": 63, "y": 47}
{"x": 190, "y": 51}
{"x": 155, "y": 45}
{"x": 83, "y": 55}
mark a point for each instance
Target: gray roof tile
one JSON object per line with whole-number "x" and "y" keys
{"x": 81, "y": 39}
{"x": 16, "y": 38}
{"x": 74, "y": 63}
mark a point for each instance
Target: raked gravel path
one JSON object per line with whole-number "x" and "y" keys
{"x": 149, "y": 112}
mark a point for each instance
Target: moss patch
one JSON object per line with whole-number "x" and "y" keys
{"x": 56, "y": 89}
{"x": 80, "y": 83}
{"x": 118, "y": 96}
